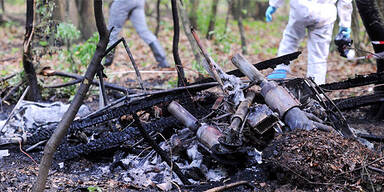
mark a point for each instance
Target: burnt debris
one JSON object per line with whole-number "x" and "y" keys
{"x": 190, "y": 135}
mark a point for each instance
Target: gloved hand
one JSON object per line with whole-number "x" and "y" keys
{"x": 269, "y": 12}
{"x": 346, "y": 31}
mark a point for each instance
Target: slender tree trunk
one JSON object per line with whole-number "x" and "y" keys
{"x": 2, "y": 5}
{"x": 87, "y": 23}
{"x": 227, "y": 17}
{"x": 356, "y": 29}
{"x": 212, "y": 20}
{"x": 181, "y": 81}
{"x": 193, "y": 13}
{"x": 69, "y": 115}
{"x": 30, "y": 73}
{"x": 187, "y": 31}
{"x": 157, "y": 18}
{"x": 374, "y": 25}
{"x": 236, "y": 8}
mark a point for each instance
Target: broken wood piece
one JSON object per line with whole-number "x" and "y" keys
{"x": 225, "y": 186}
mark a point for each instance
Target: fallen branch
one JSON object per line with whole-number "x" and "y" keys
{"x": 225, "y": 187}
{"x": 8, "y": 77}
{"x": 74, "y": 82}
{"x": 49, "y": 72}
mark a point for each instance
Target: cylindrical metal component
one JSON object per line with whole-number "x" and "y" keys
{"x": 278, "y": 98}
{"x": 183, "y": 115}
{"x": 242, "y": 111}
{"x": 247, "y": 68}
{"x": 208, "y": 135}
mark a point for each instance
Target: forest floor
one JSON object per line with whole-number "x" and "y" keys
{"x": 18, "y": 171}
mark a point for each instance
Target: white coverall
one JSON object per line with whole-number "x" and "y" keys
{"x": 317, "y": 16}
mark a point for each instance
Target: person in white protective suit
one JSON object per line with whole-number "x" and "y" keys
{"x": 317, "y": 17}
{"x": 119, "y": 12}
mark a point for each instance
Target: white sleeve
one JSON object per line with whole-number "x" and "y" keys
{"x": 344, "y": 10}
{"x": 276, "y": 3}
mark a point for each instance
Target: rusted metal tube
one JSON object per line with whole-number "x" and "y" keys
{"x": 183, "y": 115}
{"x": 275, "y": 96}
{"x": 242, "y": 111}
{"x": 278, "y": 98}
{"x": 207, "y": 135}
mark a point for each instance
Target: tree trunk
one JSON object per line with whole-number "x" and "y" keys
{"x": 193, "y": 13}
{"x": 187, "y": 31}
{"x": 30, "y": 73}
{"x": 237, "y": 6}
{"x": 355, "y": 27}
{"x": 380, "y": 3}
{"x": 157, "y": 18}
{"x": 2, "y": 5}
{"x": 212, "y": 20}
{"x": 87, "y": 23}
{"x": 181, "y": 81}
{"x": 79, "y": 13}
{"x": 374, "y": 25}
{"x": 69, "y": 115}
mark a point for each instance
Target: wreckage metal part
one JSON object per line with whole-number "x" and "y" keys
{"x": 270, "y": 63}
{"x": 358, "y": 101}
{"x": 359, "y": 80}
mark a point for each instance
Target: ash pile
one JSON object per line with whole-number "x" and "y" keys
{"x": 251, "y": 131}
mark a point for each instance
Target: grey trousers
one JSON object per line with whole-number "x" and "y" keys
{"x": 120, "y": 11}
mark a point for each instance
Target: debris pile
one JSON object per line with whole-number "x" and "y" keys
{"x": 325, "y": 161}
{"x": 188, "y": 135}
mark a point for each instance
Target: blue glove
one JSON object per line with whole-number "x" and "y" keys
{"x": 346, "y": 31}
{"x": 269, "y": 12}
{"x": 278, "y": 74}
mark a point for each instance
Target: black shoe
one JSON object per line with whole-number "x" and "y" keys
{"x": 159, "y": 54}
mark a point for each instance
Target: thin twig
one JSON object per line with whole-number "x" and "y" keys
{"x": 8, "y": 77}
{"x": 74, "y": 82}
{"x": 35, "y": 145}
{"x": 134, "y": 65}
{"x": 225, "y": 186}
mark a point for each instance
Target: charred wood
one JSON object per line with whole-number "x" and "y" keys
{"x": 369, "y": 137}
{"x": 181, "y": 80}
{"x": 359, "y": 80}
{"x": 359, "y": 101}
{"x": 114, "y": 139}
